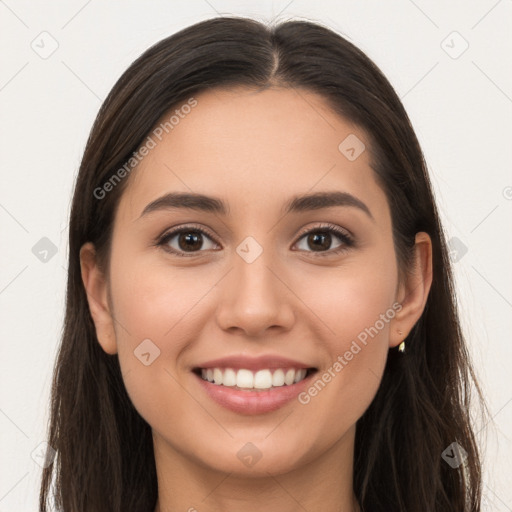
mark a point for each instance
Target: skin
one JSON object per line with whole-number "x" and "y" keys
{"x": 254, "y": 150}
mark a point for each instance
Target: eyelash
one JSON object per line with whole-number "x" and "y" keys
{"x": 347, "y": 239}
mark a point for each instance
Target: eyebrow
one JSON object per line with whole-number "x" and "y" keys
{"x": 297, "y": 204}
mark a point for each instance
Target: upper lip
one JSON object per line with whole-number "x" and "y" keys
{"x": 254, "y": 363}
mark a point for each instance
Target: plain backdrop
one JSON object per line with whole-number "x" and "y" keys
{"x": 449, "y": 62}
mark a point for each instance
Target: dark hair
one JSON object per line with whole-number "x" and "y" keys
{"x": 105, "y": 459}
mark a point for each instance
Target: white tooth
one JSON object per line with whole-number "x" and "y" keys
{"x": 229, "y": 377}
{"x": 217, "y": 376}
{"x": 263, "y": 379}
{"x": 299, "y": 375}
{"x": 278, "y": 378}
{"x": 244, "y": 379}
{"x": 290, "y": 375}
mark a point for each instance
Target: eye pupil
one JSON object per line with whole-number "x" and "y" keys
{"x": 193, "y": 237}
{"x": 315, "y": 237}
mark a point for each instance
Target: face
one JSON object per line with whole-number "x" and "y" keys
{"x": 316, "y": 287}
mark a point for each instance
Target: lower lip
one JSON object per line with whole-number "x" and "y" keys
{"x": 253, "y": 402}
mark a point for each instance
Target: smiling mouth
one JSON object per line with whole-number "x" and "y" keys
{"x": 247, "y": 380}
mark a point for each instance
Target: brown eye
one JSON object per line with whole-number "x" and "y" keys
{"x": 319, "y": 240}
{"x": 186, "y": 240}
{"x": 191, "y": 240}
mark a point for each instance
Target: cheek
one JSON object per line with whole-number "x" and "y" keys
{"x": 155, "y": 300}
{"x": 352, "y": 298}
{"x": 156, "y": 310}
{"x": 356, "y": 309}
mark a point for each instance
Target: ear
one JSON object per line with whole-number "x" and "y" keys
{"x": 96, "y": 288}
{"x": 413, "y": 293}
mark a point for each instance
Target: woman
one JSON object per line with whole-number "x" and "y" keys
{"x": 260, "y": 306}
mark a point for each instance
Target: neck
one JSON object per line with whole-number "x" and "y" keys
{"x": 324, "y": 483}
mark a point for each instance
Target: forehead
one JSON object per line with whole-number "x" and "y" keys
{"x": 252, "y": 148}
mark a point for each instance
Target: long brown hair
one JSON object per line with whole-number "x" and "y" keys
{"x": 105, "y": 459}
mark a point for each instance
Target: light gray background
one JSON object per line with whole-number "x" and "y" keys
{"x": 460, "y": 103}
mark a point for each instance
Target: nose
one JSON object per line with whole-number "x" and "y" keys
{"x": 255, "y": 298}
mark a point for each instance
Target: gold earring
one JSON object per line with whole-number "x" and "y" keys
{"x": 401, "y": 347}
